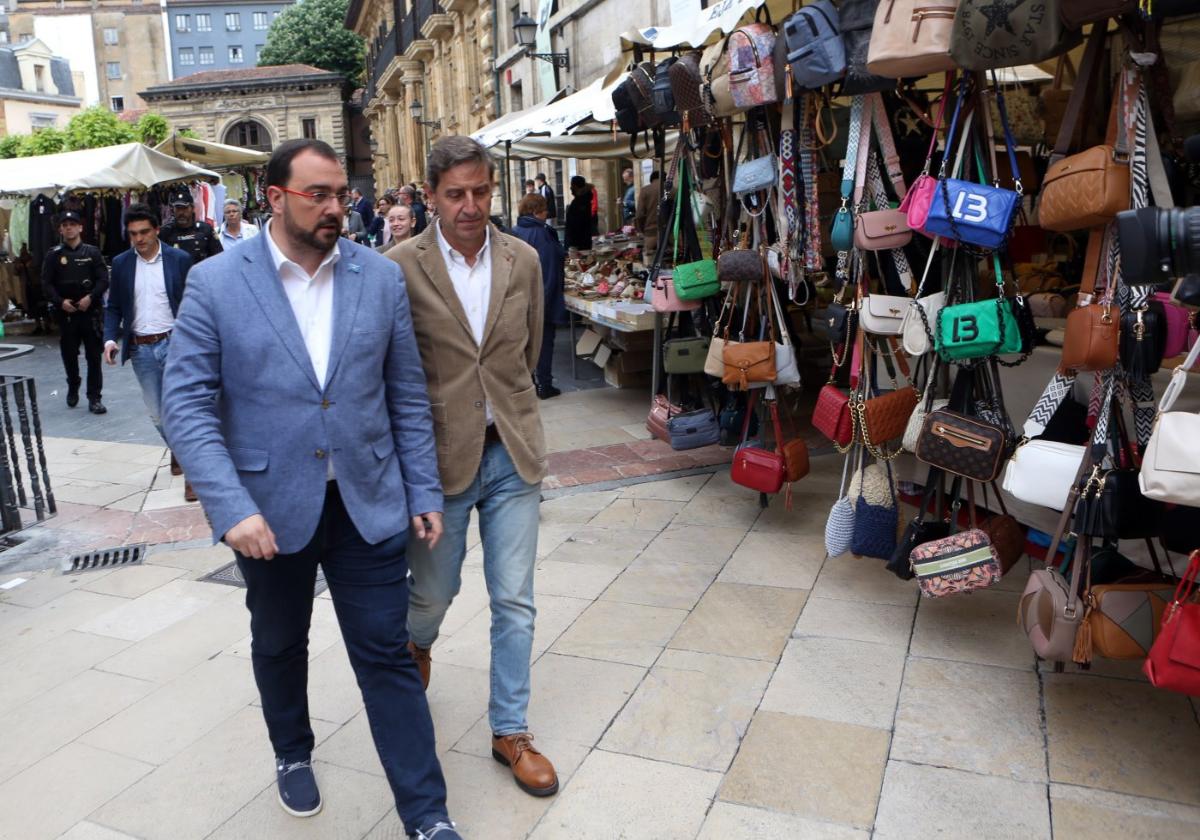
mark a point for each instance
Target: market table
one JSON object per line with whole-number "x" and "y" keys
{"x": 622, "y": 316}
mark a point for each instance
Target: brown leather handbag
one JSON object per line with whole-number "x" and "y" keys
{"x": 1121, "y": 620}
{"x": 1005, "y": 532}
{"x": 739, "y": 265}
{"x": 885, "y": 417}
{"x": 1091, "y": 341}
{"x": 687, "y": 88}
{"x": 1087, "y": 189}
{"x": 749, "y": 362}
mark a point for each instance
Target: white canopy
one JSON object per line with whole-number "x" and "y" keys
{"x": 584, "y": 145}
{"x": 724, "y": 17}
{"x": 127, "y": 166}
{"x": 207, "y": 152}
{"x": 592, "y": 104}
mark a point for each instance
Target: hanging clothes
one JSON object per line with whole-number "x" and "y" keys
{"x": 42, "y": 236}
{"x": 18, "y": 226}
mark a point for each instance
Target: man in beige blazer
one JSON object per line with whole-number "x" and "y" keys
{"x": 476, "y": 297}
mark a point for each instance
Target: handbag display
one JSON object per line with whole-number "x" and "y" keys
{"x": 1173, "y": 662}
{"x": 816, "y": 53}
{"x": 696, "y": 280}
{"x": 754, "y": 175}
{"x": 1143, "y": 340}
{"x": 751, "y": 65}
{"x": 988, "y": 37}
{"x": 912, "y": 38}
{"x": 961, "y": 445}
{"x": 685, "y": 355}
{"x": 962, "y": 562}
{"x": 855, "y": 20}
{"x": 1171, "y": 462}
{"x": 976, "y": 330}
{"x": 831, "y": 415}
{"x": 693, "y": 429}
{"x": 883, "y": 314}
{"x": 687, "y": 92}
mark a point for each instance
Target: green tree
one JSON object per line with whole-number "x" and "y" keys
{"x": 189, "y": 132}
{"x": 314, "y": 32}
{"x": 44, "y": 141}
{"x": 151, "y": 129}
{"x": 10, "y": 146}
{"x": 96, "y": 127}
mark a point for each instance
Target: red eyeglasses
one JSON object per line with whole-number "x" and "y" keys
{"x": 343, "y": 198}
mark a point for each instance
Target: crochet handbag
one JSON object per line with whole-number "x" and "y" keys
{"x": 875, "y": 522}
{"x": 839, "y": 526}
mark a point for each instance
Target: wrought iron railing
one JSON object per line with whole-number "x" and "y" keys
{"x": 25, "y": 497}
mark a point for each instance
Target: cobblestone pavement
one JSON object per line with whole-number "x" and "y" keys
{"x": 702, "y": 671}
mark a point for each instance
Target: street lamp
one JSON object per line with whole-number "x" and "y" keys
{"x": 525, "y": 29}
{"x": 418, "y": 110}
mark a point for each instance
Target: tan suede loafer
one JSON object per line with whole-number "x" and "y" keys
{"x": 532, "y": 771}
{"x": 424, "y": 661}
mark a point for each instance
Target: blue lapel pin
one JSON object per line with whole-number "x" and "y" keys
{"x": 355, "y": 267}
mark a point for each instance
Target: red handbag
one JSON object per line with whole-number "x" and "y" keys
{"x": 1174, "y": 660}
{"x": 831, "y": 416}
{"x": 754, "y": 467}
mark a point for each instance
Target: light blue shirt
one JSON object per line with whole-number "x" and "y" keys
{"x": 247, "y": 231}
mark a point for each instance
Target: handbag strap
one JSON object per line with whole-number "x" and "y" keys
{"x": 937, "y": 126}
{"x": 1010, "y": 143}
{"x": 746, "y": 420}
{"x": 1178, "y": 380}
{"x": 1084, "y": 80}
{"x": 1187, "y": 584}
{"x": 963, "y": 85}
{"x": 857, "y": 107}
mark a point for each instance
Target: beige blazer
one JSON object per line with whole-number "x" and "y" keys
{"x": 463, "y": 375}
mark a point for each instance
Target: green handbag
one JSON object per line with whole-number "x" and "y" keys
{"x": 696, "y": 280}
{"x": 973, "y": 330}
{"x": 685, "y": 355}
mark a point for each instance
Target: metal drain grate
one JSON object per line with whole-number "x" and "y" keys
{"x": 231, "y": 575}
{"x": 105, "y": 558}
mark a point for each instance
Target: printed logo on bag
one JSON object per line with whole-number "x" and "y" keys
{"x": 997, "y": 14}
{"x": 976, "y": 209}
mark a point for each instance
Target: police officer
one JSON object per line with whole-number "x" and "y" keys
{"x": 197, "y": 238}
{"x": 74, "y": 279}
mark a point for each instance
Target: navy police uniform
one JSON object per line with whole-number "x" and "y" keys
{"x": 198, "y": 239}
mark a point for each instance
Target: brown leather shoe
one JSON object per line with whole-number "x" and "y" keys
{"x": 175, "y": 468}
{"x": 424, "y": 661}
{"x": 189, "y": 495}
{"x": 532, "y": 771}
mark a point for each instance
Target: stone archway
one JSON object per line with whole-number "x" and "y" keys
{"x": 248, "y": 134}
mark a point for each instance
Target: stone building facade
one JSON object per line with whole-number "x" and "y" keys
{"x": 37, "y": 89}
{"x": 258, "y": 107}
{"x": 118, "y": 45}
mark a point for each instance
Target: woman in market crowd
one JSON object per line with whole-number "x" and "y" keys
{"x": 646, "y": 218}
{"x": 579, "y": 215}
{"x": 532, "y": 227}
{"x": 235, "y": 229}
{"x": 530, "y": 187}
{"x": 378, "y": 232}
{"x": 400, "y": 222}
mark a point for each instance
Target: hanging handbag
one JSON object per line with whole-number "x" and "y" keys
{"x": 1174, "y": 659}
{"x": 663, "y": 297}
{"x": 629, "y": 121}
{"x": 661, "y": 410}
{"x": 1177, "y": 326}
{"x": 961, "y": 562}
{"x": 1111, "y": 506}
{"x": 751, "y": 65}
{"x": 755, "y": 175}
{"x": 1171, "y": 463}
{"x": 839, "y": 525}
{"x": 816, "y": 53}
{"x": 912, "y": 432}
{"x": 739, "y": 265}
{"x": 687, "y": 92}
{"x": 1143, "y": 339}
{"x": 693, "y": 429}
{"x": 1091, "y": 339}
{"x": 961, "y": 445}
{"x": 749, "y": 363}
{"x": 1121, "y": 620}
{"x": 696, "y": 280}
{"x": 664, "y": 99}
{"x": 855, "y": 20}
{"x": 787, "y": 367}
{"x": 1075, "y": 13}
{"x": 883, "y": 314}
{"x": 976, "y": 330}
{"x": 831, "y": 415}
{"x": 1043, "y": 472}
{"x": 685, "y": 355}
{"x": 884, "y": 228}
{"x": 928, "y": 525}
{"x": 912, "y": 38}
{"x": 642, "y": 93}
{"x": 1028, "y": 33}
{"x": 755, "y": 467}
{"x": 714, "y": 68}
{"x": 1006, "y": 533}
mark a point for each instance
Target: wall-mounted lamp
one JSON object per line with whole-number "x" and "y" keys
{"x": 525, "y": 28}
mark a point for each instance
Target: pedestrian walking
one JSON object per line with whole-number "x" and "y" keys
{"x": 310, "y": 443}
{"x": 234, "y": 229}
{"x": 477, "y": 310}
{"x": 628, "y": 200}
{"x": 409, "y": 196}
{"x": 579, "y": 215}
{"x": 546, "y": 192}
{"x": 353, "y": 227}
{"x": 646, "y": 220}
{"x": 74, "y": 279}
{"x": 530, "y": 187}
{"x": 532, "y": 228}
{"x": 400, "y": 226}
{"x": 362, "y": 205}
{"x": 147, "y": 287}
{"x": 184, "y": 232}
{"x": 378, "y": 232}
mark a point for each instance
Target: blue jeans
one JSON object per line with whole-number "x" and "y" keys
{"x": 508, "y": 525}
{"x": 369, "y": 587}
{"x": 149, "y": 361}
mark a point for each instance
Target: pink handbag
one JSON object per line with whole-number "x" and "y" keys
{"x": 881, "y": 230}
{"x": 1180, "y": 334}
{"x": 663, "y": 297}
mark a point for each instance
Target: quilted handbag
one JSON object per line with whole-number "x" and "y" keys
{"x": 754, "y": 175}
{"x": 977, "y": 329}
{"x": 1171, "y": 462}
{"x": 831, "y": 415}
{"x": 1174, "y": 659}
{"x": 1121, "y": 620}
{"x": 687, "y": 91}
{"x": 664, "y": 298}
{"x": 882, "y": 230}
{"x": 696, "y": 280}
{"x": 916, "y": 329}
{"x": 976, "y": 214}
{"x": 912, "y": 432}
{"x": 912, "y": 38}
{"x": 884, "y": 418}
{"x": 962, "y": 562}
{"x": 961, "y": 445}
{"x": 816, "y": 53}
{"x": 1085, "y": 190}
{"x": 883, "y": 314}
{"x": 752, "y": 65}
{"x": 989, "y": 35}
{"x": 664, "y": 99}
{"x": 693, "y": 429}
{"x": 685, "y": 355}
{"x": 758, "y": 469}
{"x": 856, "y": 17}
{"x": 1042, "y": 472}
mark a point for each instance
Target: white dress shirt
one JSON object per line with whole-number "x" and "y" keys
{"x": 151, "y": 307}
{"x": 472, "y": 283}
{"x": 246, "y": 231}
{"x": 311, "y": 298}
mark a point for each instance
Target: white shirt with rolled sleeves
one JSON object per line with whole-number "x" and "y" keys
{"x": 473, "y": 284}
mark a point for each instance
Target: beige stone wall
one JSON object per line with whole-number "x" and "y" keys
{"x": 141, "y": 52}
{"x": 15, "y": 115}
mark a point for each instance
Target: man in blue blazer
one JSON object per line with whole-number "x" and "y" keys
{"x": 144, "y": 294}
{"x": 296, "y": 401}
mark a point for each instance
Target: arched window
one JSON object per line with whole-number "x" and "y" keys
{"x": 249, "y": 134}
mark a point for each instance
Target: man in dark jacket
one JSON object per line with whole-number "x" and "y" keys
{"x": 579, "y": 215}
{"x": 547, "y": 192}
{"x": 531, "y": 227}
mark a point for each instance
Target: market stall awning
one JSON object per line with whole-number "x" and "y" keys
{"x": 209, "y": 153}
{"x": 495, "y": 131}
{"x": 593, "y": 104}
{"x": 127, "y": 166}
{"x": 722, "y": 17}
{"x": 583, "y": 145}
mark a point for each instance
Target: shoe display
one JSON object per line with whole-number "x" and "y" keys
{"x": 96, "y": 407}
{"x": 424, "y": 661}
{"x": 298, "y": 792}
{"x": 440, "y": 830}
{"x": 531, "y": 770}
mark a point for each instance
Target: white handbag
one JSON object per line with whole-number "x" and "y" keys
{"x": 1171, "y": 464}
{"x": 915, "y": 332}
{"x": 883, "y": 314}
{"x": 912, "y": 432}
{"x": 1041, "y": 472}
{"x": 714, "y": 362}
{"x": 787, "y": 371}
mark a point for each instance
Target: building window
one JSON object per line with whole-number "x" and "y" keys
{"x": 309, "y": 128}
{"x": 258, "y": 48}
{"x": 187, "y": 57}
{"x": 113, "y": 70}
{"x": 235, "y": 55}
{"x": 261, "y": 21}
{"x": 233, "y": 21}
{"x": 3, "y": 36}
{"x": 249, "y": 135}
{"x": 39, "y": 78}
{"x": 274, "y": 15}
{"x": 110, "y": 37}
{"x": 39, "y": 121}
{"x": 514, "y": 12}
{"x": 206, "y": 55}
{"x": 118, "y": 104}
{"x": 204, "y": 23}
{"x": 183, "y": 23}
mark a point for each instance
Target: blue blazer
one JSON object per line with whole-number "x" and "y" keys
{"x": 252, "y": 427}
{"x": 118, "y": 312}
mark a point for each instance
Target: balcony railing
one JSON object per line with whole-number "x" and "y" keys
{"x": 407, "y": 30}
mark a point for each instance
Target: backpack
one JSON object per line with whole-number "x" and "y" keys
{"x": 687, "y": 88}
{"x": 628, "y": 118}
{"x": 663, "y": 98}
{"x": 857, "y": 18}
{"x": 816, "y": 52}
{"x": 752, "y": 66}
{"x": 641, "y": 92}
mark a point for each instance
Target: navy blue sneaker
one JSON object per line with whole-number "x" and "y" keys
{"x": 440, "y": 830}
{"x": 298, "y": 793}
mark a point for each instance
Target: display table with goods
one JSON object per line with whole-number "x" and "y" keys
{"x": 1006, "y": 334}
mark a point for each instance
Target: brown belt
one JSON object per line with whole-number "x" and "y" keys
{"x": 492, "y": 434}
{"x": 151, "y": 339}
